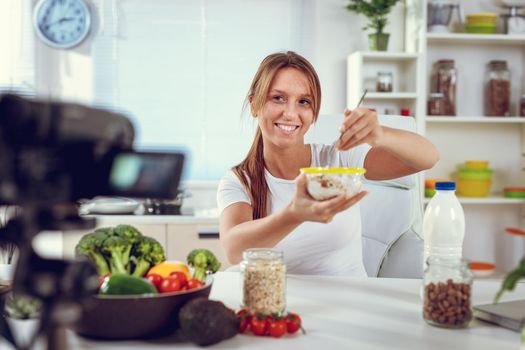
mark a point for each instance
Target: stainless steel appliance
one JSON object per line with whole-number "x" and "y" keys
{"x": 440, "y": 13}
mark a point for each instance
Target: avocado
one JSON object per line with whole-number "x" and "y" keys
{"x": 206, "y": 322}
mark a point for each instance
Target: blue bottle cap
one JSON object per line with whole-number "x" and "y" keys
{"x": 446, "y": 185}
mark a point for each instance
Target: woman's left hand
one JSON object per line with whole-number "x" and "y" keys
{"x": 359, "y": 126}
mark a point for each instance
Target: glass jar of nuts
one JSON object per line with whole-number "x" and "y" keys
{"x": 447, "y": 292}
{"x": 263, "y": 281}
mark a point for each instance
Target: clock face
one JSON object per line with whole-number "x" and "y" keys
{"x": 62, "y": 23}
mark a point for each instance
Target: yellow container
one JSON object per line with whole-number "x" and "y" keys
{"x": 476, "y": 164}
{"x": 479, "y": 18}
{"x": 474, "y": 188}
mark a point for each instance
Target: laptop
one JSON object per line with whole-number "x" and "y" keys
{"x": 510, "y": 314}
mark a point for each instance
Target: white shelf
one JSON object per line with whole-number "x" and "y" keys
{"x": 482, "y": 119}
{"x": 486, "y": 200}
{"x": 388, "y": 56}
{"x": 480, "y": 39}
{"x": 391, "y": 95}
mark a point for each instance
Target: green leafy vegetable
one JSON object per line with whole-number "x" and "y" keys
{"x": 510, "y": 281}
{"x": 203, "y": 261}
{"x": 90, "y": 246}
{"x": 121, "y": 249}
{"x": 148, "y": 252}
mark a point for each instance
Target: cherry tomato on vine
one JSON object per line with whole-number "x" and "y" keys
{"x": 244, "y": 317}
{"x": 259, "y": 326}
{"x": 277, "y": 328}
{"x": 293, "y": 323}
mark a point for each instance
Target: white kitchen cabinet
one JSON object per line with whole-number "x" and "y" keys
{"x": 182, "y": 238}
{"x": 470, "y": 135}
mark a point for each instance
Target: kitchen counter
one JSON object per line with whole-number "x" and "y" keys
{"x": 350, "y": 313}
{"x": 157, "y": 219}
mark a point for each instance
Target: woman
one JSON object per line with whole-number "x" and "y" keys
{"x": 263, "y": 200}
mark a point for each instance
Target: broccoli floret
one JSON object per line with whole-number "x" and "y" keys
{"x": 118, "y": 249}
{"x": 203, "y": 261}
{"x": 127, "y": 231}
{"x": 130, "y": 234}
{"x": 90, "y": 246}
{"x": 147, "y": 252}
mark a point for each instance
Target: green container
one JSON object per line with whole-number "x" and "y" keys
{"x": 475, "y": 174}
{"x": 480, "y": 28}
{"x": 429, "y": 192}
{"x": 514, "y": 194}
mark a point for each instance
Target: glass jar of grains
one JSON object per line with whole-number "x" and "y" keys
{"x": 263, "y": 281}
{"x": 435, "y": 104}
{"x": 447, "y": 292}
{"x": 384, "y": 82}
{"x": 497, "y": 89}
{"x": 444, "y": 81}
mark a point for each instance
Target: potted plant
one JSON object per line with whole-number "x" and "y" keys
{"x": 377, "y": 13}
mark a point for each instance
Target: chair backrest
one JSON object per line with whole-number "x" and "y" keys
{"x": 391, "y": 213}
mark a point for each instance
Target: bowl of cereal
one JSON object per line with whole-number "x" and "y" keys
{"x": 326, "y": 183}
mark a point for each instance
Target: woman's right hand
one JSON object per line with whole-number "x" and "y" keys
{"x": 305, "y": 208}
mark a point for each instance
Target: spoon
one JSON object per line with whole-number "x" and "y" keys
{"x": 358, "y": 104}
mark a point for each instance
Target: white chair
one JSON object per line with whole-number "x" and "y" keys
{"x": 391, "y": 213}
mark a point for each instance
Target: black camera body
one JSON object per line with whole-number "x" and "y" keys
{"x": 53, "y": 152}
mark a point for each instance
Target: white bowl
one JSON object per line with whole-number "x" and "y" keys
{"x": 326, "y": 183}
{"x": 110, "y": 205}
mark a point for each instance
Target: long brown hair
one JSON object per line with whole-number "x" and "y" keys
{"x": 251, "y": 170}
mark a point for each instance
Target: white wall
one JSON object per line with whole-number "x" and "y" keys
{"x": 182, "y": 68}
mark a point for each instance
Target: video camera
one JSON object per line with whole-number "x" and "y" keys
{"x": 53, "y": 154}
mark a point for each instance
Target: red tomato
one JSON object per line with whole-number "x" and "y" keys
{"x": 244, "y": 317}
{"x": 170, "y": 284}
{"x": 259, "y": 326}
{"x": 101, "y": 279}
{"x": 155, "y": 279}
{"x": 277, "y": 328}
{"x": 293, "y": 322}
{"x": 181, "y": 276}
{"x": 194, "y": 283}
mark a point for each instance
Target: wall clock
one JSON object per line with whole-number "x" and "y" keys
{"x": 62, "y": 23}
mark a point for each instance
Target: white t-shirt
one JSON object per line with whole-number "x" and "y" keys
{"x": 312, "y": 248}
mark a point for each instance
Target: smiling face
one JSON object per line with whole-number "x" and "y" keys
{"x": 287, "y": 112}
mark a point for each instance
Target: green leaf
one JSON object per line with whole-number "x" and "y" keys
{"x": 510, "y": 281}
{"x": 375, "y": 10}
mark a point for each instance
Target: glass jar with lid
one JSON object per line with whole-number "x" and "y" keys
{"x": 263, "y": 281}
{"x": 444, "y": 80}
{"x": 497, "y": 89}
{"x": 435, "y": 104}
{"x": 447, "y": 292}
{"x": 384, "y": 82}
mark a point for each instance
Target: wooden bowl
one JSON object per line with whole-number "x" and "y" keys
{"x": 135, "y": 316}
